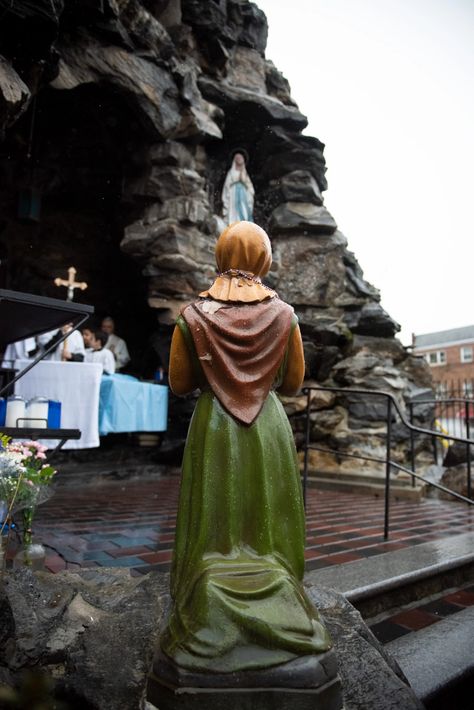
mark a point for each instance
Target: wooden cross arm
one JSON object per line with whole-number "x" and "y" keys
{"x": 62, "y": 282}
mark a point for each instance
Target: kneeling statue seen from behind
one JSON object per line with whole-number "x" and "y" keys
{"x": 239, "y": 610}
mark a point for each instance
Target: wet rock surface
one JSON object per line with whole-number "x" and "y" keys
{"x": 371, "y": 678}
{"x": 93, "y": 632}
{"x": 456, "y": 479}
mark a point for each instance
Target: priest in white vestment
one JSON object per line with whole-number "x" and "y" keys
{"x": 116, "y": 345}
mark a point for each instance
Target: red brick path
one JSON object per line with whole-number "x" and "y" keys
{"x": 132, "y": 525}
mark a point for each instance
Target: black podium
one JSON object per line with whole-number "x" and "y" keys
{"x": 24, "y": 315}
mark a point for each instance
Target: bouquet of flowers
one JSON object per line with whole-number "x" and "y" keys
{"x": 24, "y": 483}
{"x": 24, "y": 474}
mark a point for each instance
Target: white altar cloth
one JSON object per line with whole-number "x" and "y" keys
{"x": 76, "y": 385}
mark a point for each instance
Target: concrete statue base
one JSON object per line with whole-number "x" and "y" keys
{"x": 309, "y": 683}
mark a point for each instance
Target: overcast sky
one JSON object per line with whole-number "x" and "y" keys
{"x": 387, "y": 85}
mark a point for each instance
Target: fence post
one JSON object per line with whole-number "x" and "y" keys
{"x": 412, "y": 445}
{"x": 435, "y": 449}
{"x": 468, "y": 448}
{"x": 387, "y": 467}
{"x": 306, "y": 444}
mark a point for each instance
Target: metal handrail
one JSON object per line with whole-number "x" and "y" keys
{"x": 391, "y": 403}
{"x": 467, "y": 402}
{"x": 443, "y": 400}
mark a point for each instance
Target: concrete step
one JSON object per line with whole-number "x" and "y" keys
{"x": 392, "y": 579}
{"x": 364, "y": 476}
{"x": 368, "y": 484}
{"x": 438, "y": 661}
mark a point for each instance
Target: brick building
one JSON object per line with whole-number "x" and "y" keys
{"x": 450, "y": 355}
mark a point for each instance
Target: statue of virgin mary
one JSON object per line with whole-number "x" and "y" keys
{"x": 238, "y": 192}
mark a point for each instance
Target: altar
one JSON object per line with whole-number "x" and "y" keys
{"x": 127, "y": 404}
{"x": 94, "y": 403}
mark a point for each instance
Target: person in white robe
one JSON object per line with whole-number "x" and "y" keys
{"x": 97, "y": 352}
{"x": 238, "y": 193}
{"x": 116, "y": 345}
{"x": 21, "y": 350}
{"x": 70, "y": 350}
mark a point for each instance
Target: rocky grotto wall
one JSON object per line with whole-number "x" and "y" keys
{"x": 123, "y": 114}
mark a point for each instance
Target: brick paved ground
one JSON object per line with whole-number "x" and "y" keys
{"x": 425, "y": 614}
{"x": 132, "y": 525}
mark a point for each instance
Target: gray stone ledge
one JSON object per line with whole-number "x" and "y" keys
{"x": 438, "y": 659}
{"x": 366, "y": 578}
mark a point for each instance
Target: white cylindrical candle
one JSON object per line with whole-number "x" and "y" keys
{"x": 37, "y": 413}
{"x": 15, "y": 411}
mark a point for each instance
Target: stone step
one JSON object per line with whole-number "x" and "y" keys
{"x": 392, "y": 579}
{"x": 400, "y": 488}
{"x": 364, "y": 476}
{"x": 438, "y": 661}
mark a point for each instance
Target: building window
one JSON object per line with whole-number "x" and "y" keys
{"x": 468, "y": 388}
{"x": 437, "y": 357}
{"x": 466, "y": 354}
{"x": 441, "y": 390}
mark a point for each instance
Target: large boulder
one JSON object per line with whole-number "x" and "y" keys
{"x": 310, "y": 270}
{"x": 247, "y": 70}
{"x": 456, "y": 479}
{"x": 252, "y": 106}
{"x": 297, "y": 186}
{"x": 178, "y": 256}
{"x": 300, "y": 217}
{"x": 277, "y": 85}
{"x": 230, "y": 22}
{"x": 94, "y": 633}
{"x": 372, "y": 319}
{"x": 14, "y": 95}
{"x": 150, "y": 89}
{"x": 166, "y": 182}
{"x": 457, "y": 454}
{"x": 282, "y": 150}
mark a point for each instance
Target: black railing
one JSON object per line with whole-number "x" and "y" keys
{"x": 454, "y": 405}
{"x": 392, "y": 407}
{"x": 464, "y": 410}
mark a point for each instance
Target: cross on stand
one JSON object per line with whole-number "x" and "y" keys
{"x": 70, "y": 283}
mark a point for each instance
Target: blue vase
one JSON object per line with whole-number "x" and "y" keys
{"x": 54, "y": 414}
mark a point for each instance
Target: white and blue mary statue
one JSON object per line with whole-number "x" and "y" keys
{"x": 237, "y": 193}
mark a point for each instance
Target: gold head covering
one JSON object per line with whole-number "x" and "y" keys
{"x": 243, "y": 255}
